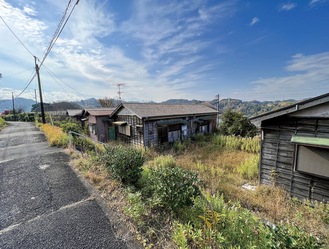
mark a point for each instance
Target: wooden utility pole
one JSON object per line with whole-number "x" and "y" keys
{"x": 217, "y": 96}
{"x": 40, "y": 91}
{"x": 12, "y": 96}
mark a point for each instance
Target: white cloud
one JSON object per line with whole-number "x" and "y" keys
{"x": 315, "y": 2}
{"x": 168, "y": 48}
{"x": 254, "y": 21}
{"x": 307, "y": 76}
{"x": 29, "y": 10}
{"x": 287, "y": 6}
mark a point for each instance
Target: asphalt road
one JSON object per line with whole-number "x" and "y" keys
{"x": 43, "y": 204}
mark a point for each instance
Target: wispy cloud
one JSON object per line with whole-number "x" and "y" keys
{"x": 254, "y": 21}
{"x": 313, "y": 3}
{"x": 287, "y": 6}
{"x": 308, "y": 75}
{"x": 91, "y": 54}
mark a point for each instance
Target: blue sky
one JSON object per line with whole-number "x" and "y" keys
{"x": 193, "y": 49}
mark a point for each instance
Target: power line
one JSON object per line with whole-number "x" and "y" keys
{"x": 55, "y": 76}
{"x": 59, "y": 30}
{"x": 27, "y": 84}
{"x": 16, "y": 36}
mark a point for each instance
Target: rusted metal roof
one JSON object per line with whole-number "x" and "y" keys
{"x": 150, "y": 110}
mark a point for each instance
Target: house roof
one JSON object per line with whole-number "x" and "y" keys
{"x": 74, "y": 112}
{"x": 99, "y": 111}
{"x": 150, "y": 110}
{"x": 291, "y": 109}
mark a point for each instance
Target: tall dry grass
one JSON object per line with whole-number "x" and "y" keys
{"x": 54, "y": 135}
{"x": 225, "y": 171}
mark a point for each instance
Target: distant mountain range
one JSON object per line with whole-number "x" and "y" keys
{"x": 248, "y": 108}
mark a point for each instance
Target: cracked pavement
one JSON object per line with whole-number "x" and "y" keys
{"x": 43, "y": 204}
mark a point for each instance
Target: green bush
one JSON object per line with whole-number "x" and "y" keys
{"x": 173, "y": 187}
{"x": 70, "y": 126}
{"x": 124, "y": 163}
{"x": 83, "y": 144}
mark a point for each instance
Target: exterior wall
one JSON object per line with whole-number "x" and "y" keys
{"x": 100, "y": 126}
{"x": 150, "y": 134}
{"x": 102, "y": 129}
{"x": 147, "y": 135}
{"x": 136, "y": 135}
{"x": 278, "y": 156}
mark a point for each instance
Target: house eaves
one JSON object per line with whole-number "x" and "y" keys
{"x": 302, "y": 105}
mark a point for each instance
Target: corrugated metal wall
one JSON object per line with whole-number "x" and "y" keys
{"x": 278, "y": 157}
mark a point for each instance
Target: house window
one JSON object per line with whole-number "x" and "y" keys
{"x": 312, "y": 155}
{"x": 313, "y": 160}
{"x": 125, "y": 130}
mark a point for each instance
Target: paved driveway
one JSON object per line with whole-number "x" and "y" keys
{"x": 42, "y": 202}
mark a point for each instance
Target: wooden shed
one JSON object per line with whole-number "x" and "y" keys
{"x": 295, "y": 148}
{"x": 149, "y": 124}
{"x": 98, "y": 122}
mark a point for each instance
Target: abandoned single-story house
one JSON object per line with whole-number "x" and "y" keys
{"x": 78, "y": 114}
{"x": 149, "y": 124}
{"x": 98, "y": 120}
{"x": 295, "y": 148}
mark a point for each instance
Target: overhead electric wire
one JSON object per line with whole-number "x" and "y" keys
{"x": 19, "y": 72}
{"x": 53, "y": 75}
{"x": 27, "y": 84}
{"x": 59, "y": 30}
{"x": 16, "y": 36}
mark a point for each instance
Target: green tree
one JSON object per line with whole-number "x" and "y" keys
{"x": 234, "y": 123}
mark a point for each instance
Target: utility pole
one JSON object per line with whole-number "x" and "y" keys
{"x": 12, "y": 96}
{"x": 35, "y": 96}
{"x": 40, "y": 91}
{"x": 217, "y": 96}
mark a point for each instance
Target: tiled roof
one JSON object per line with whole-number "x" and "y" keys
{"x": 144, "y": 110}
{"x": 99, "y": 111}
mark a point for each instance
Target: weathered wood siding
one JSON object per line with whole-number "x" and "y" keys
{"x": 136, "y": 137}
{"x": 150, "y": 133}
{"x": 277, "y": 165}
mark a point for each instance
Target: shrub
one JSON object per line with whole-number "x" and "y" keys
{"x": 124, "y": 163}
{"x": 70, "y": 126}
{"x": 173, "y": 187}
{"x": 249, "y": 168}
{"x": 83, "y": 144}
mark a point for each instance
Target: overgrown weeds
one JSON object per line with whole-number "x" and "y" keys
{"x": 2, "y": 123}
{"x": 163, "y": 196}
{"x": 54, "y": 135}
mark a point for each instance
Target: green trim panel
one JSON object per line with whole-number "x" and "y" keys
{"x": 316, "y": 141}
